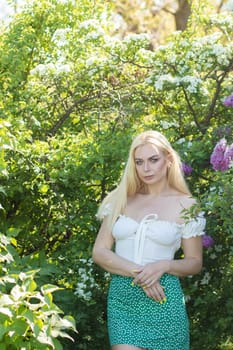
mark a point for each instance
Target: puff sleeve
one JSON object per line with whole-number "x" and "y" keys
{"x": 194, "y": 227}
{"x": 105, "y": 211}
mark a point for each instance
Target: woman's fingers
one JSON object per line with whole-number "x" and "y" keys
{"x": 148, "y": 274}
{"x": 149, "y": 283}
{"x": 146, "y": 282}
{"x": 155, "y": 292}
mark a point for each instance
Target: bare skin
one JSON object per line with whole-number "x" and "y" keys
{"x": 126, "y": 347}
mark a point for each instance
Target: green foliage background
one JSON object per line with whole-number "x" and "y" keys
{"x": 73, "y": 93}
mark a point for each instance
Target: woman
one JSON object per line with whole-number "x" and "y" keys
{"x": 145, "y": 220}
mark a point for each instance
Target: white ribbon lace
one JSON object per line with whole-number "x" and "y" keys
{"x": 141, "y": 236}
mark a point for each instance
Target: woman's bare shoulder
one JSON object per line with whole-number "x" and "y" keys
{"x": 186, "y": 201}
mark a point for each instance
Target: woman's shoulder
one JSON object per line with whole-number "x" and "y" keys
{"x": 186, "y": 200}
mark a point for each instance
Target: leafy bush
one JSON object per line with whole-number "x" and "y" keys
{"x": 72, "y": 97}
{"x": 29, "y": 318}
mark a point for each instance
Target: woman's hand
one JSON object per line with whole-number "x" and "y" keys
{"x": 148, "y": 276}
{"x": 151, "y": 273}
{"x": 156, "y": 292}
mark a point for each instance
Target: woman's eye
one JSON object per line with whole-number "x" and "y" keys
{"x": 154, "y": 160}
{"x": 138, "y": 162}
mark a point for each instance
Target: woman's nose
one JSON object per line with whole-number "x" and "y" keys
{"x": 146, "y": 166}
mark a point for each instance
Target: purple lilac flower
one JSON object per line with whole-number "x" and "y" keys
{"x": 187, "y": 169}
{"x": 228, "y": 101}
{"x": 222, "y": 155}
{"x": 207, "y": 241}
{"x": 229, "y": 154}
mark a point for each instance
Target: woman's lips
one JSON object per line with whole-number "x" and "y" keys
{"x": 148, "y": 177}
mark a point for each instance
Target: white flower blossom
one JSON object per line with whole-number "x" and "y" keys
{"x": 163, "y": 79}
{"x": 136, "y": 37}
{"x": 51, "y": 68}
{"x": 90, "y": 23}
{"x": 193, "y": 82}
{"x": 146, "y": 55}
{"x": 166, "y": 125}
{"x": 91, "y": 61}
{"x": 60, "y": 36}
{"x": 166, "y": 47}
{"x": 187, "y": 298}
{"x": 41, "y": 70}
{"x": 218, "y": 248}
{"x": 86, "y": 282}
{"x": 118, "y": 22}
{"x": 159, "y": 3}
{"x": 222, "y": 20}
{"x": 5, "y": 124}
{"x": 173, "y": 59}
{"x": 222, "y": 53}
{"x": 63, "y": 68}
{"x": 149, "y": 80}
{"x": 206, "y": 278}
{"x": 180, "y": 141}
{"x": 208, "y": 40}
{"x": 209, "y": 204}
{"x": 93, "y": 35}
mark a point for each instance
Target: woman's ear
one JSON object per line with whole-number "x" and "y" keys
{"x": 169, "y": 160}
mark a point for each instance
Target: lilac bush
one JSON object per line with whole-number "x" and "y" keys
{"x": 228, "y": 101}
{"x": 187, "y": 169}
{"x": 207, "y": 241}
{"x": 222, "y": 155}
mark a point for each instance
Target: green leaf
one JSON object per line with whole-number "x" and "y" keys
{"x": 2, "y": 346}
{"x": 30, "y": 285}
{"x": 3, "y": 330}
{"x": 49, "y": 288}
{"x": 45, "y": 339}
{"x": 18, "y": 327}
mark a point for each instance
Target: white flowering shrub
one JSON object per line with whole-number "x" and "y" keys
{"x": 86, "y": 283}
{"x": 72, "y": 97}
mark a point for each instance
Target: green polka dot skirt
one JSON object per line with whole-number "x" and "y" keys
{"x": 135, "y": 319}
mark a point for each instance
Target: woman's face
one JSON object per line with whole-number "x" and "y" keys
{"x": 151, "y": 164}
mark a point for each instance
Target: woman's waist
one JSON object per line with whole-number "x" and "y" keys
{"x": 151, "y": 252}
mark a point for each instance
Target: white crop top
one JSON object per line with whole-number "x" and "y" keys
{"x": 152, "y": 239}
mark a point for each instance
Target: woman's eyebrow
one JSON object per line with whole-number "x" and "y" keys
{"x": 152, "y": 156}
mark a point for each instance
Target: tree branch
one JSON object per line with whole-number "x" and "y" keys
{"x": 216, "y": 94}
{"x": 66, "y": 115}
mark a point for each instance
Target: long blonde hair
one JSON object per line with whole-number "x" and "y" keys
{"x": 115, "y": 202}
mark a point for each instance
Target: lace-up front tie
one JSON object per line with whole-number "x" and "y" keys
{"x": 141, "y": 236}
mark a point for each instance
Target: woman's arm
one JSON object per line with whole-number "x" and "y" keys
{"x": 103, "y": 255}
{"x": 192, "y": 262}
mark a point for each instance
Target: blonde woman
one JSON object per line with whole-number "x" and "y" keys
{"x": 143, "y": 226}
